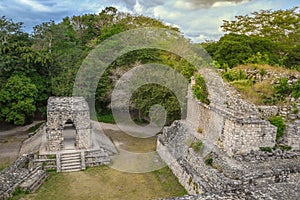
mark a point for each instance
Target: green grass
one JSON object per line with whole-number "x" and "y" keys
{"x": 35, "y": 127}
{"x": 279, "y": 123}
{"x": 106, "y": 183}
{"x": 106, "y": 118}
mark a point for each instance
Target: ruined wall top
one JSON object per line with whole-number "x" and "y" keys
{"x": 74, "y": 104}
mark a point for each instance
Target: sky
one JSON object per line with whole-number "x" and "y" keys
{"x": 199, "y": 20}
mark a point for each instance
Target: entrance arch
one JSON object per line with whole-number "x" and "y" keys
{"x": 62, "y": 111}
{"x": 69, "y": 135}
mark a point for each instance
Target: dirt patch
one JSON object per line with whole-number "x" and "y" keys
{"x": 130, "y": 143}
{"x": 11, "y": 138}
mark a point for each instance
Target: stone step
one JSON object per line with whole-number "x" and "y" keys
{"x": 74, "y": 155}
{"x": 77, "y": 163}
{"x": 70, "y": 161}
{"x": 70, "y": 168}
{"x": 70, "y": 158}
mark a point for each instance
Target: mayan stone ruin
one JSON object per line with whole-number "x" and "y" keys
{"x": 231, "y": 164}
{"x": 61, "y": 110}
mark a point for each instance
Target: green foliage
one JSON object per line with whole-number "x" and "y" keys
{"x": 19, "y": 193}
{"x": 233, "y": 49}
{"x": 197, "y": 146}
{"x": 277, "y": 25}
{"x": 17, "y": 100}
{"x": 151, "y": 94}
{"x": 234, "y": 75}
{"x": 279, "y": 123}
{"x": 284, "y": 89}
{"x": 283, "y": 147}
{"x": 106, "y": 118}
{"x": 208, "y": 160}
{"x": 200, "y": 89}
{"x": 258, "y": 58}
{"x": 296, "y": 89}
{"x": 265, "y": 37}
{"x": 266, "y": 149}
{"x": 35, "y": 127}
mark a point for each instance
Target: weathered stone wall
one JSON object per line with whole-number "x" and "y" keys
{"x": 241, "y": 137}
{"x": 20, "y": 174}
{"x": 97, "y": 158}
{"x": 59, "y": 111}
{"x": 293, "y": 135}
{"x": 226, "y": 173}
{"x": 232, "y": 131}
{"x": 236, "y": 134}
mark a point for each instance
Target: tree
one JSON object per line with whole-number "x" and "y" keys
{"x": 17, "y": 100}
{"x": 233, "y": 49}
{"x": 276, "y": 25}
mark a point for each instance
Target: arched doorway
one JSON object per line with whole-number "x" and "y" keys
{"x": 69, "y": 135}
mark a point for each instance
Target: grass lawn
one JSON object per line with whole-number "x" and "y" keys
{"x": 109, "y": 184}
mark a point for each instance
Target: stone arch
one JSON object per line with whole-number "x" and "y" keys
{"x": 63, "y": 109}
{"x": 70, "y": 135}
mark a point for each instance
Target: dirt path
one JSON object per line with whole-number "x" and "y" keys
{"x": 18, "y": 129}
{"x": 11, "y": 141}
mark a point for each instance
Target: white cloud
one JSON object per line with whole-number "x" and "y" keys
{"x": 197, "y": 19}
{"x": 138, "y": 8}
{"x": 35, "y": 5}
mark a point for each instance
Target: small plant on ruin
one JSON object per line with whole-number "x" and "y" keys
{"x": 266, "y": 149}
{"x": 200, "y": 130}
{"x": 279, "y": 123}
{"x": 208, "y": 160}
{"x": 200, "y": 89}
{"x": 283, "y": 147}
{"x": 197, "y": 146}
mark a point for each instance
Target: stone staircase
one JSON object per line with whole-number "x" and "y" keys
{"x": 71, "y": 162}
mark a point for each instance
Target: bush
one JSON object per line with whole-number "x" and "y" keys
{"x": 197, "y": 146}
{"x": 209, "y": 161}
{"x": 234, "y": 75}
{"x": 283, "y": 147}
{"x": 279, "y": 123}
{"x": 200, "y": 130}
{"x": 296, "y": 89}
{"x": 200, "y": 89}
{"x": 266, "y": 149}
{"x": 106, "y": 118}
{"x": 282, "y": 89}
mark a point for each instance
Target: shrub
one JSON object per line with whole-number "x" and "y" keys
{"x": 234, "y": 75}
{"x": 296, "y": 89}
{"x": 283, "y": 147}
{"x": 106, "y": 118}
{"x": 282, "y": 89}
{"x": 209, "y": 161}
{"x": 266, "y": 149}
{"x": 197, "y": 146}
{"x": 279, "y": 123}
{"x": 200, "y": 130}
{"x": 200, "y": 89}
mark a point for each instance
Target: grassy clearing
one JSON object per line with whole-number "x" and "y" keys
{"x": 106, "y": 183}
